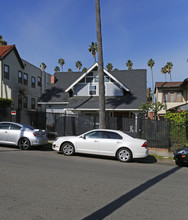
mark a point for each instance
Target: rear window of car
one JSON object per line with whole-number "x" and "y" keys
{"x": 111, "y": 135}
{"x": 28, "y": 127}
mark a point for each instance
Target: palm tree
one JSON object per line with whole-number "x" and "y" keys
{"x": 2, "y": 42}
{"x": 164, "y": 71}
{"x": 102, "y": 118}
{"x": 78, "y": 65}
{"x": 61, "y": 62}
{"x": 168, "y": 67}
{"x": 151, "y": 63}
{"x": 93, "y": 50}
{"x": 129, "y": 64}
{"x": 69, "y": 70}
{"x": 109, "y": 67}
{"x": 56, "y": 69}
{"x": 84, "y": 70}
{"x": 42, "y": 67}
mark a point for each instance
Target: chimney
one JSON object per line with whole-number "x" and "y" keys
{"x": 52, "y": 79}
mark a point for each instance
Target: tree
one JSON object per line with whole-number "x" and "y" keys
{"x": 168, "y": 67}
{"x": 43, "y": 66}
{"x": 93, "y": 50}
{"x": 84, "y": 70}
{"x": 61, "y": 62}
{"x": 164, "y": 71}
{"x": 129, "y": 64}
{"x": 151, "y": 63}
{"x": 116, "y": 69}
{"x": 102, "y": 119}
{"x": 78, "y": 65}
{"x": 155, "y": 107}
{"x": 109, "y": 67}
{"x": 56, "y": 69}
{"x": 69, "y": 70}
{"x": 2, "y": 42}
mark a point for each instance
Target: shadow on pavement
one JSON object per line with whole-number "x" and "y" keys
{"x": 116, "y": 204}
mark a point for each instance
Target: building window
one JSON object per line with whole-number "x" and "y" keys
{"x": 92, "y": 90}
{"x": 6, "y": 71}
{"x": 19, "y": 77}
{"x": 25, "y": 79}
{"x": 39, "y": 81}
{"x": 172, "y": 96}
{"x": 25, "y": 102}
{"x": 32, "y": 103}
{"x": 19, "y": 102}
{"x": 179, "y": 97}
{"x": 33, "y": 82}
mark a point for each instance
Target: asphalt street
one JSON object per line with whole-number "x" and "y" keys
{"x": 42, "y": 184}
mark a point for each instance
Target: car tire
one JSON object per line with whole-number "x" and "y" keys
{"x": 24, "y": 144}
{"x": 124, "y": 155}
{"x": 67, "y": 149}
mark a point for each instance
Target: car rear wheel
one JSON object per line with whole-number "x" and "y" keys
{"x": 24, "y": 144}
{"x": 124, "y": 155}
{"x": 67, "y": 149}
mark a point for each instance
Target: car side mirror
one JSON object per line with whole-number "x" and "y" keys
{"x": 83, "y": 136}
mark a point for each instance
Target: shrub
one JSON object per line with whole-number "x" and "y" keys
{"x": 5, "y": 102}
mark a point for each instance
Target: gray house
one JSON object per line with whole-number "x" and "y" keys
{"x": 77, "y": 92}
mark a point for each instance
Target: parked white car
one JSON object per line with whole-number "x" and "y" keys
{"x": 23, "y": 136}
{"x": 103, "y": 142}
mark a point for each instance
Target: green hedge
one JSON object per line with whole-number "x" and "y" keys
{"x": 178, "y": 129}
{"x": 5, "y": 102}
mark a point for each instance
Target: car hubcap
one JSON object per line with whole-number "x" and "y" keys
{"x": 124, "y": 155}
{"x": 68, "y": 149}
{"x": 24, "y": 144}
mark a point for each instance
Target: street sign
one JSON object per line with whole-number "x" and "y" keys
{"x": 13, "y": 112}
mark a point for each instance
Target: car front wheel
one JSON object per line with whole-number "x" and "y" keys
{"x": 24, "y": 144}
{"x": 67, "y": 149}
{"x": 124, "y": 155}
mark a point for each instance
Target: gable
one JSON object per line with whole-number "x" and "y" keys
{"x": 94, "y": 67}
{"x": 5, "y": 50}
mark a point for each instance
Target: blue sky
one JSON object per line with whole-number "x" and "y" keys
{"x": 46, "y": 30}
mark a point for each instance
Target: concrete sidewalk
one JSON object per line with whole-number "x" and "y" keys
{"x": 165, "y": 155}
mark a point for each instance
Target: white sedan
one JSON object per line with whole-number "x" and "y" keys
{"x": 103, "y": 142}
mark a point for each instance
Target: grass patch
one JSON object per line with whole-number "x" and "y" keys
{"x": 158, "y": 157}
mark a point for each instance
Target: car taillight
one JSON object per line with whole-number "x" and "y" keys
{"x": 144, "y": 144}
{"x": 36, "y": 134}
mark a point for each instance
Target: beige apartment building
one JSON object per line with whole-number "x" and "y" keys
{"x": 20, "y": 81}
{"x": 173, "y": 94}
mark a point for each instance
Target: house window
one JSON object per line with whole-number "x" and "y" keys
{"x": 32, "y": 103}
{"x": 25, "y": 102}
{"x": 178, "y": 96}
{"x": 92, "y": 90}
{"x": 6, "y": 71}
{"x": 19, "y": 77}
{"x": 39, "y": 81}
{"x": 25, "y": 79}
{"x": 172, "y": 97}
{"x": 19, "y": 102}
{"x": 33, "y": 82}
{"x": 165, "y": 96}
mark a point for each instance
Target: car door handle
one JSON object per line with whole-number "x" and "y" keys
{"x": 6, "y": 131}
{"x": 96, "y": 141}
{"x": 118, "y": 142}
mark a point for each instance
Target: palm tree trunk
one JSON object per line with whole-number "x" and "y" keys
{"x": 102, "y": 121}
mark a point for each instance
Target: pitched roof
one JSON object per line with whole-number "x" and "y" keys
{"x": 91, "y": 69}
{"x": 135, "y": 80}
{"x": 168, "y": 84}
{"x": 6, "y": 49}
